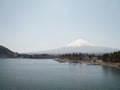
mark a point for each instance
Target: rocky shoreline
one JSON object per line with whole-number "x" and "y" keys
{"x": 97, "y": 62}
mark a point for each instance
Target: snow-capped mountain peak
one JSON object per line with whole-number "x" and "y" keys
{"x": 79, "y": 42}
{"x": 80, "y": 45}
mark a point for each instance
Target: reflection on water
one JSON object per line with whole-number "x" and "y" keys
{"x": 47, "y": 73}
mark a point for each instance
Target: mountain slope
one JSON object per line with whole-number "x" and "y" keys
{"x": 5, "y": 52}
{"x": 82, "y": 49}
{"x": 80, "y": 45}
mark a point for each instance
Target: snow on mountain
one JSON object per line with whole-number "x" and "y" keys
{"x": 80, "y": 45}
{"x": 79, "y": 42}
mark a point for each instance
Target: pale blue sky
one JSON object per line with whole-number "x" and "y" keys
{"x": 33, "y": 25}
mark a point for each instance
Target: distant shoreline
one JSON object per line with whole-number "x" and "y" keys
{"x": 98, "y": 62}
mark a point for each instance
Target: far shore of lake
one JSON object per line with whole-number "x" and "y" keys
{"x": 97, "y": 62}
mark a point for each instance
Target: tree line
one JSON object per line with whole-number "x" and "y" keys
{"x": 111, "y": 57}
{"x": 107, "y": 57}
{"x": 77, "y": 56}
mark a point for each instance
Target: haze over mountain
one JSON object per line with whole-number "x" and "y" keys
{"x": 80, "y": 45}
{"x": 34, "y": 25}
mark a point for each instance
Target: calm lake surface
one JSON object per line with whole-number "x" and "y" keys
{"x": 47, "y": 74}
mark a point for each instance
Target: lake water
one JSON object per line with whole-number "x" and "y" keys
{"x": 47, "y": 74}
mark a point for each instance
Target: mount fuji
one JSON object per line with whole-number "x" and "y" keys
{"x": 79, "y": 45}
